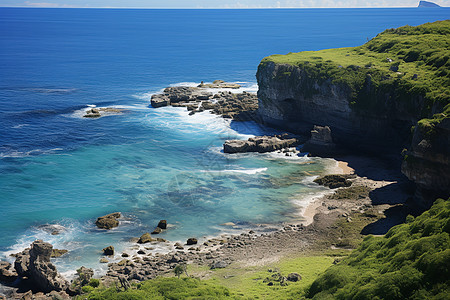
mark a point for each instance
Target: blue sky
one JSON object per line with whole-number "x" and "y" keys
{"x": 216, "y": 3}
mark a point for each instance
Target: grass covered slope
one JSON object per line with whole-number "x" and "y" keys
{"x": 412, "y": 61}
{"x": 411, "y": 261}
{"x": 163, "y": 288}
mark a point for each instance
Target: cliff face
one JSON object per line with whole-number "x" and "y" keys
{"x": 427, "y": 162}
{"x": 293, "y": 98}
{"x": 375, "y": 97}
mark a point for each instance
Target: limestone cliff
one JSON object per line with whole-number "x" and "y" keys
{"x": 371, "y": 97}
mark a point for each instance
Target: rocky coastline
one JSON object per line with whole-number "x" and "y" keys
{"x": 359, "y": 197}
{"x": 212, "y": 97}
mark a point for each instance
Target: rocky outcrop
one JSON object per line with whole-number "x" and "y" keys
{"x": 237, "y": 106}
{"x": 145, "y": 238}
{"x": 191, "y": 241}
{"x": 7, "y": 272}
{"x": 428, "y": 160}
{"x": 84, "y": 275}
{"x": 219, "y": 84}
{"x": 321, "y": 142}
{"x": 335, "y": 181}
{"x": 98, "y": 112}
{"x": 58, "y": 252}
{"x": 162, "y": 224}
{"x": 108, "y": 221}
{"x": 34, "y": 263}
{"x": 108, "y": 250}
{"x": 260, "y": 144}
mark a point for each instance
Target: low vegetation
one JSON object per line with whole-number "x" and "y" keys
{"x": 412, "y": 261}
{"x": 163, "y": 288}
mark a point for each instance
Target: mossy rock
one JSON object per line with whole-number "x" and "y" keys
{"x": 334, "y": 181}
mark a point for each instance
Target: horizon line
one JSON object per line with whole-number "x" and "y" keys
{"x": 217, "y": 8}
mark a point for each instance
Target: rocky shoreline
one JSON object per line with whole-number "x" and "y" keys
{"x": 355, "y": 198}
{"x": 236, "y": 106}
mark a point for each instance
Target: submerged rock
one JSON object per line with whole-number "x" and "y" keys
{"x": 108, "y": 221}
{"x": 157, "y": 230}
{"x": 97, "y": 111}
{"x": 58, "y": 252}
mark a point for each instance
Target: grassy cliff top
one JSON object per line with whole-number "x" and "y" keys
{"x": 415, "y": 58}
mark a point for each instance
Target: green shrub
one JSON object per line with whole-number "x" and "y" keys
{"x": 412, "y": 261}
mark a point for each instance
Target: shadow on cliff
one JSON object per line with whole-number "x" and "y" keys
{"x": 401, "y": 196}
{"x": 375, "y": 168}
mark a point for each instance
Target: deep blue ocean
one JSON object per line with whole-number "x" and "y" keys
{"x": 57, "y": 168}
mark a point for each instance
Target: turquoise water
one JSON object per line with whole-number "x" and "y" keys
{"x": 149, "y": 164}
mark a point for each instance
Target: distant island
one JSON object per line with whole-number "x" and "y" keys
{"x": 427, "y": 4}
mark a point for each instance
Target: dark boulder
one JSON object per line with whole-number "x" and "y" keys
{"x": 108, "y": 250}
{"x": 191, "y": 241}
{"x": 294, "y": 277}
{"x": 108, "y": 221}
{"x": 162, "y": 224}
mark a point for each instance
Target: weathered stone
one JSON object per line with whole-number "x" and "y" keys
{"x": 58, "y": 252}
{"x": 108, "y": 250}
{"x": 84, "y": 275}
{"x": 145, "y": 238}
{"x": 294, "y": 277}
{"x": 162, "y": 224}
{"x": 108, "y": 221}
{"x": 35, "y": 264}
{"x": 334, "y": 181}
{"x": 7, "y": 272}
{"x": 260, "y": 144}
{"x": 157, "y": 230}
{"x": 219, "y": 264}
{"x": 191, "y": 241}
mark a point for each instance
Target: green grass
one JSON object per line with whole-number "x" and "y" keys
{"x": 251, "y": 282}
{"x": 421, "y": 54}
{"x": 163, "y": 288}
{"x": 412, "y": 261}
{"x": 233, "y": 282}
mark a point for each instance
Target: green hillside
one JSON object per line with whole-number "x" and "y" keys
{"x": 412, "y": 261}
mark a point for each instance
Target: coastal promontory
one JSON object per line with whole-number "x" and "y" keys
{"x": 388, "y": 96}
